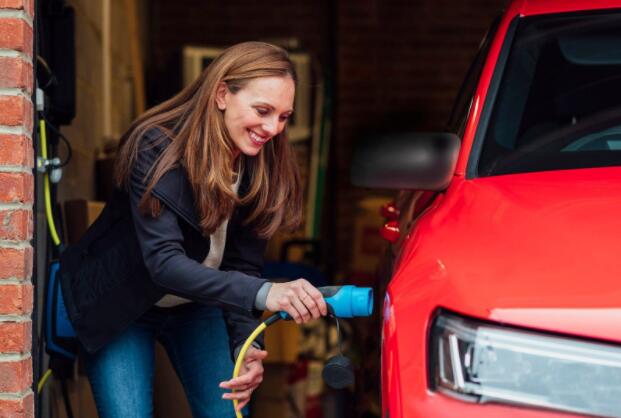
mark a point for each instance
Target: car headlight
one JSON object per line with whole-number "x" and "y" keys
{"x": 476, "y": 361}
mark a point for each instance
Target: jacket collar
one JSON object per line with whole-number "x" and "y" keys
{"x": 174, "y": 190}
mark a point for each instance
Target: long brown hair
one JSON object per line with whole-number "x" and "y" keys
{"x": 201, "y": 144}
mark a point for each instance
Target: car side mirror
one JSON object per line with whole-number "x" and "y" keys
{"x": 421, "y": 161}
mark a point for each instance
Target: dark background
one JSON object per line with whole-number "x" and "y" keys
{"x": 395, "y": 65}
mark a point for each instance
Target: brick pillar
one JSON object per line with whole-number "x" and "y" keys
{"x": 16, "y": 199}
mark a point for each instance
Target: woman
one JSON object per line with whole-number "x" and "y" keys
{"x": 203, "y": 180}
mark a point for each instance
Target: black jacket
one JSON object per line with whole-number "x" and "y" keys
{"x": 127, "y": 261}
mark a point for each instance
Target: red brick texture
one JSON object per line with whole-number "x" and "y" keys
{"x": 16, "y": 73}
{"x": 15, "y": 337}
{"x": 16, "y": 263}
{"x": 15, "y": 376}
{"x": 16, "y": 34}
{"x": 16, "y": 150}
{"x": 18, "y": 408}
{"x": 16, "y": 111}
{"x": 16, "y": 188}
{"x": 15, "y": 299}
{"x": 27, "y": 5}
{"x": 16, "y": 217}
{"x": 15, "y": 225}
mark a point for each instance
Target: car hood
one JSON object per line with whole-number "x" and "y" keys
{"x": 540, "y": 250}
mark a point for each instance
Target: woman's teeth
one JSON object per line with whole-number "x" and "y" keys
{"x": 256, "y": 138}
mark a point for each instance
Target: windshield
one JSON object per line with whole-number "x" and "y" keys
{"x": 559, "y": 100}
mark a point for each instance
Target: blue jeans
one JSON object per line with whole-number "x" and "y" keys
{"x": 196, "y": 340}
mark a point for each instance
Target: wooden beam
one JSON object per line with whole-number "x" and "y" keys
{"x": 133, "y": 30}
{"x": 106, "y": 61}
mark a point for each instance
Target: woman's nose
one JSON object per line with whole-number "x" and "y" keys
{"x": 271, "y": 126}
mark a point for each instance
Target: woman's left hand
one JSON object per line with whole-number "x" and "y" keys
{"x": 250, "y": 376}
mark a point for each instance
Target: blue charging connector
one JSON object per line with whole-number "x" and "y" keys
{"x": 348, "y": 301}
{"x": 345, "y": 301}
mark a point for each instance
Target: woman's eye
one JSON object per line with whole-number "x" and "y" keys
{"x": 284, "y": 118}
{"x": 262, "y": 112}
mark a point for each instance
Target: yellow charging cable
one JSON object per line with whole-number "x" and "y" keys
{"x": 50, "y": 220}
{"x": 242, "y": 353}
{"x": 46, "y": 186}
{"x": 44, "y": 380}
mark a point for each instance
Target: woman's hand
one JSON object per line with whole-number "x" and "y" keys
{"x": 301, "y": 300}
{"x": 250, "y": 376}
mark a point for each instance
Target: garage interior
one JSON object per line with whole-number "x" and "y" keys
{"x": 365, "y": 66}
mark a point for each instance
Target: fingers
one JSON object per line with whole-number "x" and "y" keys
{"x": 251, "y": 372}
{"x": 286, "y": 304}
{"x": 301, "y": 300}
{"x": 254, "y": 353}
{"x": 303, "y": 314}
{"x": 251, "y": 377}
{"x": 290, "y": 303}
{"x": 245, "y": 384}
{"x": 239, "y": 395}
{"x": 307, "y": 301}
{"x": 311, "y": 298}
{"x": 241, "y": 404}
{"x": 317, "y": 298}
{"x": 310, "y": 305}
{"x": 239, "y": 383}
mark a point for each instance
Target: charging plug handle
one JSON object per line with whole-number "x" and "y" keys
{"x": 345, "y": 301}
{"x": 348, "y": 301}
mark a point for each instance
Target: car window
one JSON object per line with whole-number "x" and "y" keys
{"x": 463, "y": 102}
{"x": 558, "y": 104}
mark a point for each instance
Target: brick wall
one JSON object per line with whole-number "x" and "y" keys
{"x": 16, "y": 198}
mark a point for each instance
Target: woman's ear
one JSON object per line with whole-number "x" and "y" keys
{"x": 221, "y": 93}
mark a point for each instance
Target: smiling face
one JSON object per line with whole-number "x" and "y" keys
{"x": 258, "y": 112}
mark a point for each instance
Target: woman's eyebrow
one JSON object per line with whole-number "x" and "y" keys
{"x": 261, "y": 103}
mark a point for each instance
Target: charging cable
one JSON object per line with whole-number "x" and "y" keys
{"x": 242, "y": 353}
{"x": 343, "y": 302}
{"x": 43, "y": 165}
{"x": 44, "y": 380}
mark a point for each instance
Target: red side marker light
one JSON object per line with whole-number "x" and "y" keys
{"x": 390, "y": 231}
{"x": 390, "y": 211}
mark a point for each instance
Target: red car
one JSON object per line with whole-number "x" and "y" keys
{"x": 505, "y": 297}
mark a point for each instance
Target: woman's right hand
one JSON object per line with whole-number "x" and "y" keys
{"x": 300, "y": 299}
